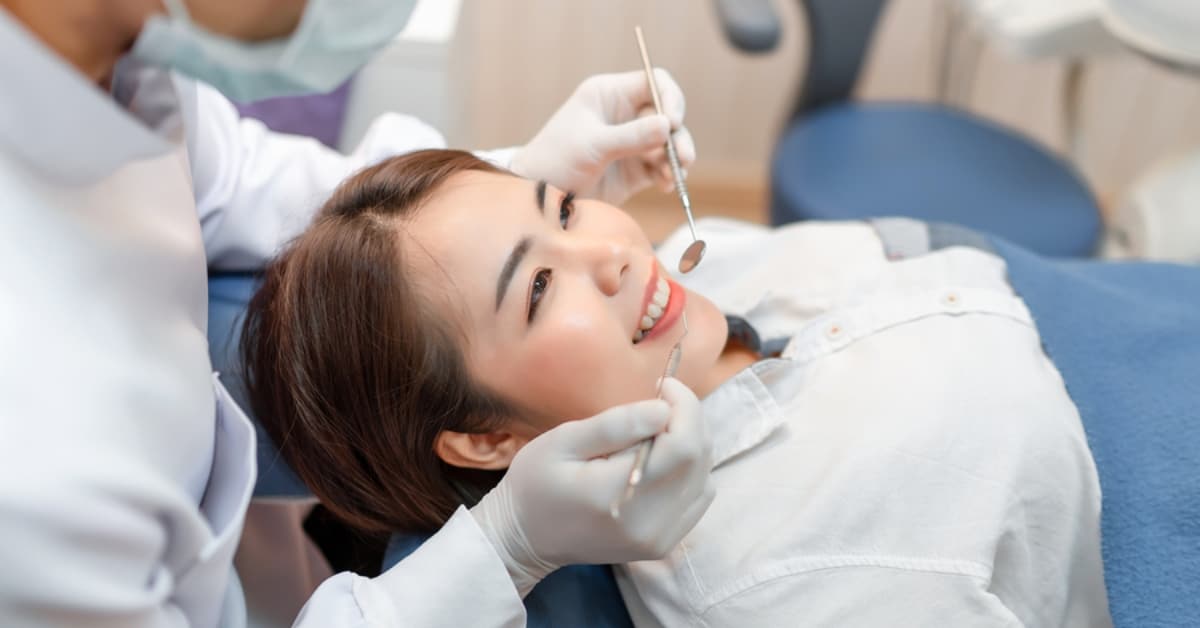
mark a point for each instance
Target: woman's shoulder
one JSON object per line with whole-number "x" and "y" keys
{"x": 745, "y": 261}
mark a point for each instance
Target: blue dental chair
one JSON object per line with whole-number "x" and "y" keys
{"x": 843, "y": 160}
{"x": 228, "y": 294}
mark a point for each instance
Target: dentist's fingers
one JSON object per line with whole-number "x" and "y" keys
{"x": 671, "y": 95}
{"x": 632, "y": 138}
{"x": 685, "y": 407}
{"x": 665, "y": 179}
{"x": 686, "y": 445}
{"x": 611, "y": 431}
{"x": 685, "y": 146}
{"x": 634, "y": 89}
{"x": 660, "y": 166}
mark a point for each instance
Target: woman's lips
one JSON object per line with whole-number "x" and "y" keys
{"x": 670, "y": 313}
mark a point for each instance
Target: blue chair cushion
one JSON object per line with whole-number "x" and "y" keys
{"x": 576, "y": 595}
{"x": 228, "y": 294}
{"x": 857, "y": 161}
{"x": 1126, "y": 338}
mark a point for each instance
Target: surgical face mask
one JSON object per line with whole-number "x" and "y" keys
{"x": 334, "y": 38}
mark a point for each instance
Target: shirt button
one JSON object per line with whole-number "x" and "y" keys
{"x": 834, "y": 330}
{"x": 952, "y": 299}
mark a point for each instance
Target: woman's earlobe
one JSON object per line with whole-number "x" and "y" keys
{"x": 491, "y": 450}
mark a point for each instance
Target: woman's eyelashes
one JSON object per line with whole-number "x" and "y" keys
{"x": 566, "y": 209}
{"x": 541, "y": 283}
{"x": 541, "y": 278}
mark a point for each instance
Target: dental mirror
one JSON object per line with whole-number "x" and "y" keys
{"x": 692, "y": 255}
{"x": 695, "y": 252}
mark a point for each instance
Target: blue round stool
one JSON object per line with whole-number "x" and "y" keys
{"x": 932, "y": 163}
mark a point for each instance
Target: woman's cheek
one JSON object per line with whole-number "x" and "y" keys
{"x": 578, "y": 376}
{"x": 562, "y": 350}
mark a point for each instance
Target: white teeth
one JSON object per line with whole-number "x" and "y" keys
{"x": 658, "y": 303}
{"x": 661, "y": 294}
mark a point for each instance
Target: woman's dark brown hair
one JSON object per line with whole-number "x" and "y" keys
{"x": 353, "y": 371}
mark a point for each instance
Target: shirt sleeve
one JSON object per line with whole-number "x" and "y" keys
{"x": 256, "y": 189}
{"x": 454, "y": 579}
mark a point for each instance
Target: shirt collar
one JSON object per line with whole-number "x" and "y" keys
{"x": 743, "y": 411}
{"x": 66, "y": 127}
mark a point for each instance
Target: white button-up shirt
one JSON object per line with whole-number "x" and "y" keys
{"x": 911, "y": 459}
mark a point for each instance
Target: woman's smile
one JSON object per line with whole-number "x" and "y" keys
{"x": 662, "y": 309}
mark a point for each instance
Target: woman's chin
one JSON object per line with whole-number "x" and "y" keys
{"x": 707, "y": 333}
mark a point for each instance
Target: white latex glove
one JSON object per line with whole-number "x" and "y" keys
{"x": 606, "y": 141}
{"x": 552, "y": 507}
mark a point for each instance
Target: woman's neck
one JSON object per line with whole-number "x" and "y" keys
{"x": 734, "y": 358}
{"x": 91, "y": 35}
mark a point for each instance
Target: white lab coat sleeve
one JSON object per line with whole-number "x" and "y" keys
{"x": 454, "y": 579}
{"x": 256, "y": 189}
{"x": 499, "y": 157}
{"x": 86, "y": 547}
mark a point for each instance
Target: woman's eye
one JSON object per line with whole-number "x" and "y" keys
{"x": 565, "y": 209}
{"x": 541, "y": 281}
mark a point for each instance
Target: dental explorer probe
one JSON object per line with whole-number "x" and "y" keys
{"x": 695, "y": 251}
{"x": 643, "y": 452}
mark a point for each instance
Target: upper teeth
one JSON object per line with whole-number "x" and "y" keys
{"x": 662, "y": 294}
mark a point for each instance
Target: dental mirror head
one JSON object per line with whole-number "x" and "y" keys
{"x": 692, "y": 256}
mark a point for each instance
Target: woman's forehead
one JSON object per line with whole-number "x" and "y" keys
{"x": 476, "y": 187}
{"x": 475, "y": 203}
{"x": 476, "y": 211}
{"x": 459, "y": 241}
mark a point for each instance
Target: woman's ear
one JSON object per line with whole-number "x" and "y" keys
{"x": 492, "y": 450}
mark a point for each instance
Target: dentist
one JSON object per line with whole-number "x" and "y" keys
{"x": 125, "y": 469}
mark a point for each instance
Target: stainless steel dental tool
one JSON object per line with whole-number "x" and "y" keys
{"x": 695, "y": 251}
{"x": 643, "y": 452}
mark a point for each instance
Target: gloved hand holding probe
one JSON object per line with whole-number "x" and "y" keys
{"x": 606, "y": 141}
{"x": 552, "y": 507}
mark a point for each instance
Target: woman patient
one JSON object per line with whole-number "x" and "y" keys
{"x": 892, "y": 447}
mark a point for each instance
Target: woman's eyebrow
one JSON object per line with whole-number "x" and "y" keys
{"x": 519, "y": 251}
{"x": 510, "y": 267}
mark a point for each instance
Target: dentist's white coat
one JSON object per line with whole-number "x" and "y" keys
{"x": 125, "y": 470}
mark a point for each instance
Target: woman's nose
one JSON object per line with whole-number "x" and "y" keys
{"x": 607, "y": 259}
